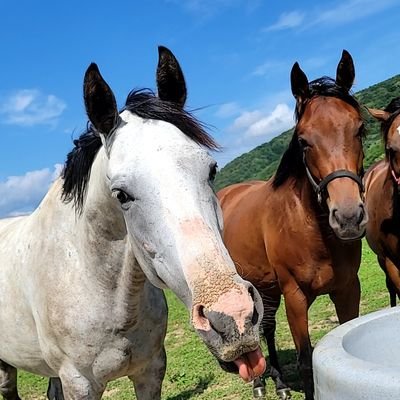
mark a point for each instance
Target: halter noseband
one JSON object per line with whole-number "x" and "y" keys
{"x": 320, "y": 187}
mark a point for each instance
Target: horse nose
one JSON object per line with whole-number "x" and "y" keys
{"x": 349, "y": 223}
{"x": 236, "y": 311}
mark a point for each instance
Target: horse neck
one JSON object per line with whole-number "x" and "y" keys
{"x": 309, "y": 201}
{"x": 109, "y": 257}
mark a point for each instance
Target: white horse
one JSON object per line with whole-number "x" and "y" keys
{"x": 133, "y": 212}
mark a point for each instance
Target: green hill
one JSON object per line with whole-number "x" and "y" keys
{"x": 261, "y": 162}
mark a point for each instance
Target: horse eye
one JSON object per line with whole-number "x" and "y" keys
{"x": 122, "y": 196}
{"x": 303, "y": 143}
{"x": 213, "y": 172}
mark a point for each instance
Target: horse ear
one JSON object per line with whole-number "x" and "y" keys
{"x": 170, "y": 80}
{"x": 380, "y": 115}
{"x": 299, "y": 83}
{"x": 345, "y": 72}
{"x": 100, "y": 104}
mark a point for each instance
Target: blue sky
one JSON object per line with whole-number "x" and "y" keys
{"x": 236, "y": 56}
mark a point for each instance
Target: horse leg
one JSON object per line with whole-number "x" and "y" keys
{"x": 54, "y": 390}
{"x": 347, "y": 301}
{"x": 271, "y": 305}
{"x": 148, "y": 382}
{"x": 392, "y": 292}
{"x": 76, "y": 386}
{"x": 8, "y": 381}
{"x": 297, "y": 314}
{"x": 392, "y": 280}
{"x": 389, "y": 284}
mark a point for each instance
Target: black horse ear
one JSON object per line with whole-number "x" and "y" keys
{"x": 100, "y": 104}
{"x": 170, "y": 80}
{"x": 345, "y": 72}
{"x": 299, "y": 83}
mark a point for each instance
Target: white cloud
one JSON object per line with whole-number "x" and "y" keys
{"x": 263, "y": 124}
{"x": 269, "y": 65}
{"x": 227, "y": 110}
{"x": 288, "y": 20}
{"x": 29, "y": 107}
{"x": 270, "y": 125}
{"x": 204, "y": 9}
{"x": 254, "y": 127}
{"x": 343, "y": 12}
{"x": 351, "y": 10}
{"x": 20, "y": 195}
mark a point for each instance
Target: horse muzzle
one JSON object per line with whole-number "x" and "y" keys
{"x": 230, "y": 329}
{"x": 348, "y": 223}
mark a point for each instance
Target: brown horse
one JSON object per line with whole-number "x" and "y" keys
{"x": 382, "y": 184}
{"x": 298, "y": 234}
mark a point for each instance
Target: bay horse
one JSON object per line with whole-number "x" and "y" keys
{"x": 382, "y": 186}
{"x": 133, "y": 212}
{"x": 298, "y": 234}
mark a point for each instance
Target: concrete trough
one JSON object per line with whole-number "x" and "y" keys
{"x": 360, "y": 360}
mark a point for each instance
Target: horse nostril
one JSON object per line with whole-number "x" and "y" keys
{"x": 254, "y": 318}
{"x": 335, "y": 216}
{"x": 360, "y": 215}
{"x": 200, "y": 311}
{"x": 199, "y": 319}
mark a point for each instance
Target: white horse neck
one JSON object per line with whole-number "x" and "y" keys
{"x": 97, "y": 239}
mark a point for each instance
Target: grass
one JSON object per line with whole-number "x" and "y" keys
{"x": 192, "y": 373}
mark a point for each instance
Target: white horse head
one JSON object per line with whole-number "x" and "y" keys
{"x": 147, "y": 172}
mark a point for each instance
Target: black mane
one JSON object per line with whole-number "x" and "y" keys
{"x": 144, "y": 104}
{"x": 291, "y": 164}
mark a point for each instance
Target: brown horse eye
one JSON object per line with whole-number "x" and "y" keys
{"x": 303, "y": 143}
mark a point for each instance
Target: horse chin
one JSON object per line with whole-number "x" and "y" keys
{"x": 349, "y": 235}
{"x": 249, "y": 365}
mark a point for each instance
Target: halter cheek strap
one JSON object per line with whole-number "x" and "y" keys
{"x": 392, "y": 171}
{"x": 320, "y": 187}
{"x": 396, "y": 179}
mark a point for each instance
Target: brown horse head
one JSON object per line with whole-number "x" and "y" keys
{"x": 390, "y": 119}
{"x": 327, "y": 146}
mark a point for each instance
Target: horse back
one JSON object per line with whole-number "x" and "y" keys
{"x": 274, "y": 234}
{"x": 243, "y": 209}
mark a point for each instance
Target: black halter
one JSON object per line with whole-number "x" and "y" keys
{"x": 320, "y": 187}
{"x": 396, "y": 179}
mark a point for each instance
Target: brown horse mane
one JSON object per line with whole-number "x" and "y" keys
{"x": 291, "y": 164}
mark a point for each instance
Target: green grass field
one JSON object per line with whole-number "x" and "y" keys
{"x": 192, "y": 373}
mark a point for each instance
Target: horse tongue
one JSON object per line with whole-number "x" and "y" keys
{"x": 251, "y": 365}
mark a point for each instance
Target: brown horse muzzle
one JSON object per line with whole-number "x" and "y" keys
{"x": 348, "y": 223}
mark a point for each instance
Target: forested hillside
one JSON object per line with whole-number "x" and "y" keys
{"x": 261, "y": 162}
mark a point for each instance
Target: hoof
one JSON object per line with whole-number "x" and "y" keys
{"x": 284, "y": 394}
{"x": 259, "y": 392}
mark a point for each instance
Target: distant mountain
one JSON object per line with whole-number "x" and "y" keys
{"x": 261, "y": 162}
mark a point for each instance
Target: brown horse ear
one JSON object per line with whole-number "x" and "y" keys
{"x": 170, "y": 80}
{"x": 380, "y": 115}
{"x": 299, "y": 83}
{"x": 100, "y": 104}
{"x": 345, "y": 72}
